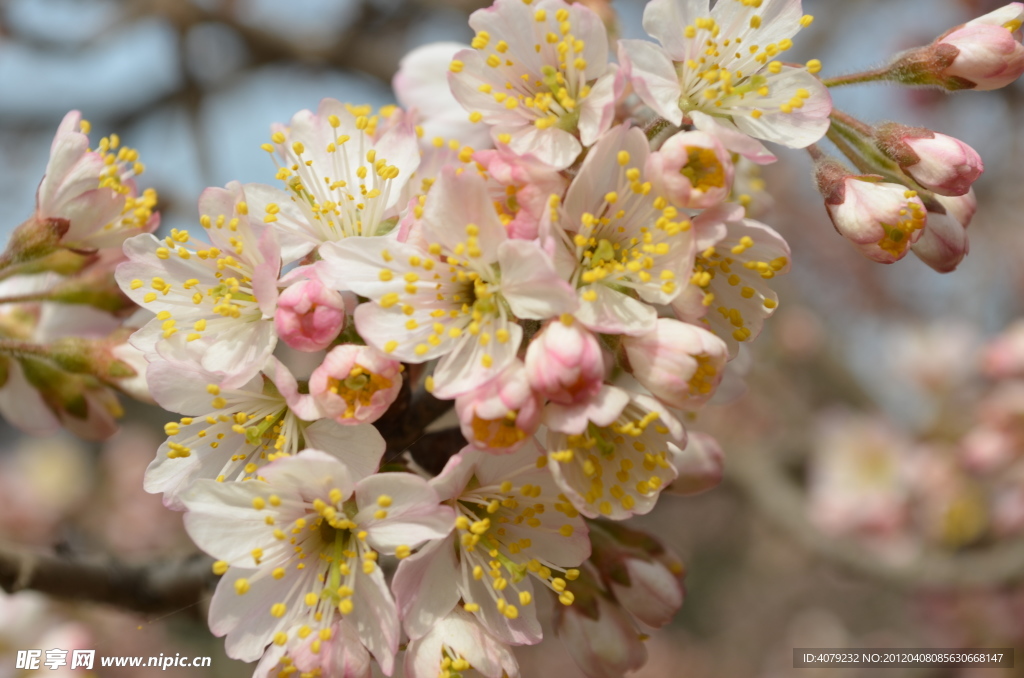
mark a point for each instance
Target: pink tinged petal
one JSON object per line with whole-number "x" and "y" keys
{"x": 457, "y": 200}
{"x": 780, "y": 20}
{"x": 400, "y": 509}
{"x": 751, "y": 295}
{"x": 732, "y": 138}
{"x": 314, "y": 471}
{"x": 22, "y": 405}
{"x": 524, "y": 630}
{"x": 947, "y": 166}
{"x": 400, "y": 148}
{"x": 944, "y": 244}
{"x": 181, "y": 386}
{"x": 654, "y": 594}
{"x": 700, "y": 465}
{"x": 603, "y": 409}
{"x": 355, "y": 264}
{"x": 680, "y": 364}
{"x": 601, "y": 172}
{"x": 693, "y": 169}
{"x": 613, "y": 312}
{"x": 597, "y": 111}
{"x": 529, "y": 282}
{"x": 988, "y": 55}
{"x": 666, "y": 21}
{"x": 421, "y": 84}
{"x": 302, "y": 405}
{"x": 173, "y": 476}
{"x": 243, "y": 350}
{"x": 472, "y": 362}
{"x": 293, "y": 232}
{"x": 309, "y": 315}
{"x": 265, "y": 273}
{"x": 221, "y": 521}
{"x": 379, "y": 327}
{"x": 552, "y": 146}
{"x": 869, "y": 208}
{"x": 961, "y": 207}
{"x": 653, "y": 76}
{"x": 565, "y": 363}
{"x": 375, "y": 619}
{"x": 452, "y": 480}
{"x": 802, "y": 126}
{"x": 246, "y": 619}
{"x": 460, "y": 632}
{"x": 426, "y": 584}
{"x": 359, "y": 448}
{"x": 501, "y": 415}
{"x": 357, "y": 398}
{"x": 607, "y": 647}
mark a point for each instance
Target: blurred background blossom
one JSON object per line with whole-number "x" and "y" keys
{"x": 885, "y": 414}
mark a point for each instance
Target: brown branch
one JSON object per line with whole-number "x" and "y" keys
{"x": 779, "y": 500}
{"x": 161, "y": 586}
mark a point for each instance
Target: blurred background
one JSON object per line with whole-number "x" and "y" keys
{"x": 874, "y": 489}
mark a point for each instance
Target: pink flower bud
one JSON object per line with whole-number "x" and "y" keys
{"x": 502, "y": 414}
{"x": 699, "y": 465}
{"x": 653, "y": 591}
{"x": 645, "y": 577}
{"x": 564, "y": 362}
{"x": 944, "y": 244}
{"x": 988, "y": 53}
{"x": 679, "y": 364}
{"x": 309, "y": 315}
{"x": 604, "y": 644}
{"x": 355, "y": 384}
{"x": 692, "y": 169}
{"x": 881, "y": 219}
{"x": 940, "y": 163}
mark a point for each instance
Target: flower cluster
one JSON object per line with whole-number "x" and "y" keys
{"x": 914, "y": 191}
{"x": 559, "y": 248}
{"x": 573, "y": 286}
{"x": 63, "y": 325}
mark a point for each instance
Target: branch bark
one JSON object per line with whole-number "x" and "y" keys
{"x": 162, "y": 586}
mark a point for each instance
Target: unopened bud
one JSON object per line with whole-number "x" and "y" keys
{"x": 699, "y": 465}
{"x": 692, "y": 169}
{"x": 989, "y": 53}
{"x": 881, "y": 219}
{"x": 309, "y": 315}
{"x": 35, "y": 238}
{"x": 983, "y": 54}
{"x": 501, "y": 415}
{"x": 944, "y": 243}
{"x": 645, "y": 578}
{"x": 564, "y": 362}
{"x": 940, "y": 163}
{"x": 599, "y": 634}
{"x": 679, "y": 363}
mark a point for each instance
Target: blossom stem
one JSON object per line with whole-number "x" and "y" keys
{"x": 846, "y": 149}
{"x": 22, "y": 349}
{"x": 874, "y": 75}
{"x": 852, "y": 122}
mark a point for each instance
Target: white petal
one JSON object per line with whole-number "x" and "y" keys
{"x": 653, "y": 77}
{"x": 530, "y": 284}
